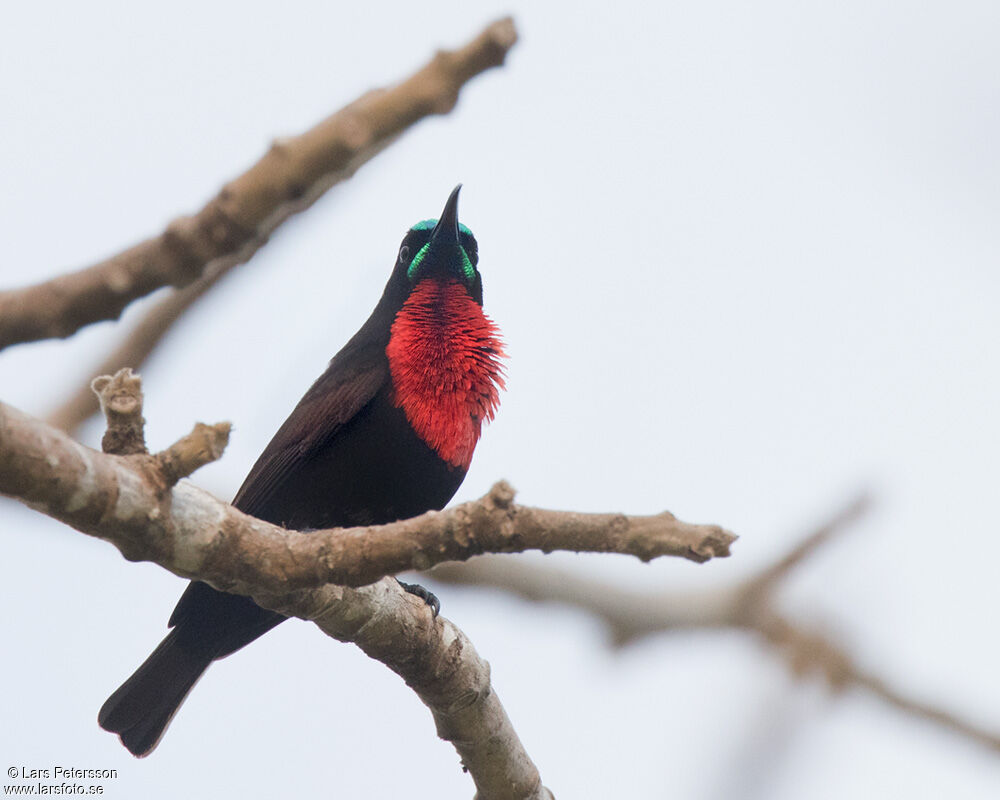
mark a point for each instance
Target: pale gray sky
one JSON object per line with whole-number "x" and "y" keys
{"x": 745, "y": 260}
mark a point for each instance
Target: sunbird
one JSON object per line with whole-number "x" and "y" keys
{"x": 386, "y": 433}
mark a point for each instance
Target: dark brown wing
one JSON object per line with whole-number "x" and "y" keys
{"x": 347, "y": 386}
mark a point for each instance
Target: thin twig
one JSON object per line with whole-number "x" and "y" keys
{"x": 853, "y": 511}
{"x": 628, "y": 615}
{"x": 810, "y": 652}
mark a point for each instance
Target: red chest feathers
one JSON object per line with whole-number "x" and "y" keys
{"x": 445, "y": 360}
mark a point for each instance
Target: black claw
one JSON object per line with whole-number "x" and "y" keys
{"x": 419, "y": 591}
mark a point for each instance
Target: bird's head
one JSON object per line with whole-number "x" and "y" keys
{"x": 441, "y": 249}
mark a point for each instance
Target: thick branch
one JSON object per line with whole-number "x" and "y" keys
{"x": 440, "y": 664}
{"x": 239, "y": 219}
{"x": 124, "y": 500}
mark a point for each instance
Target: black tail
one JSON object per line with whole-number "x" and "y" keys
{"x": 142, "y": 707}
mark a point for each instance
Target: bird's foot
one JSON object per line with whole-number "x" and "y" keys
{"x": 428, "y": 597}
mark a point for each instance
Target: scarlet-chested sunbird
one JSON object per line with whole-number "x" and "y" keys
{"x": 386, "y": 433}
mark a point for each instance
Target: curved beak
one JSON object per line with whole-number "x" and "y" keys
{"x": 446, "y": 230}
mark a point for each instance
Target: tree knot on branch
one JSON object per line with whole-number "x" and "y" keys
{"x": 502, "y": 495}
{"x": 467, "y": 699}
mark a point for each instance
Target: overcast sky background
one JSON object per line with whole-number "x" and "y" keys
{"x": 745, "y": 260}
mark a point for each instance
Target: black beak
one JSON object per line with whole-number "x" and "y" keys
{"x": 446, "y": 231}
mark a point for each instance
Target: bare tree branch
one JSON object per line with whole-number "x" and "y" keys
{"x": 765, "y": 583}
{"x": 749, "y": 605}
{"x": 202, "y": 446}
{"x": 810, "y": 651}
{"x": 440, "y": 664}
{"x": 946, "y": 719}
{"x": 628, "y": 615}
{"x": 631, "y": 615}
{"x": 127, "y": 500}
{"x": 239, "y": 219}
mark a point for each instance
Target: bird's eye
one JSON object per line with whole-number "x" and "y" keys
{"x": 404, "y": 254}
